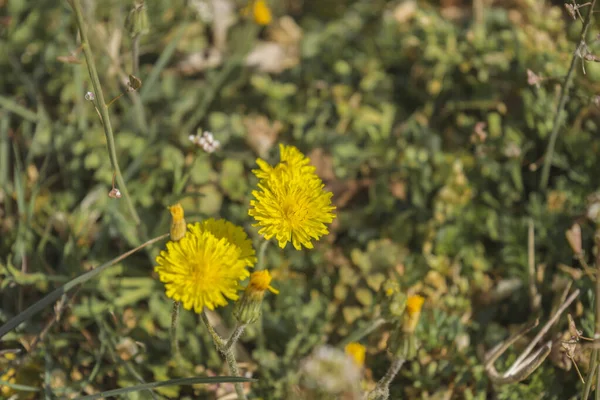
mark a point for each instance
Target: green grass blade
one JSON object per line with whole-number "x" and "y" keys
{"x": 171, "y": 382}
{"x": 23, "y": 388}
{"x": 57, "y": 293}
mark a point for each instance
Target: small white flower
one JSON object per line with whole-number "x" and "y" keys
{"x": 90, "y": 96}
{"x": 206, "y": 141}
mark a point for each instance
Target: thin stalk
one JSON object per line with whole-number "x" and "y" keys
{"x": 227, "y": 350}
{"x": 15, "y": 108}
{"x": 233, "y": 370}
{"x": 219, "y": 342}
{"x": 597, "y": 328}
{"x": 235, "y": 336}
{"x": 260, "y": 265}
{"x": 135, "y": 55}
{"x": 174, "y": 321}
{"x": 360, "y": 333}
{"x": 382, "y": 390}
{"x": 102, "y": 107}
{"x": 563, "y": 98}
{"x": 590, "y": 376}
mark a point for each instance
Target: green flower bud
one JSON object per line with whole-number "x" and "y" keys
{"x": 137, "y": 20}
{"x": 248, "y": 309}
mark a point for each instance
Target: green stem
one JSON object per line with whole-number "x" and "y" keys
{"x": 174, "y": 321}
{"x": 590, "y": 376}
{"x": 135, "y": 55}
{"x": 260, "y": 265}
{"x": 235, "y": 336}
{"x": 233, "y": 370}
{"x": 357, "y": 335}
{"x": 102, "y": 107}
{"x": 227, "y": 350}
{"x": 219, "y": 342}
{"x": 563, "y": 98}
{"x": 15, "y": 108}
{"x": 382, "y": 390}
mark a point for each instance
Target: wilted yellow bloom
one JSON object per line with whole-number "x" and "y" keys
{"x": 291, "y": 203}
{"x": 178, "y": 227}
{"x": 413, "y": 312}
{"x": 248, "y": 309}
{"x": 357, "y": 351}
{"x": 202, "y": 269}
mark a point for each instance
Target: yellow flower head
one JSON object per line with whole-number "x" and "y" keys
{"x": 291, "y": 159}
{"x": 202, "y": 270}
{"x": 291, "y": 203}
{"x": 413, "y": 312}
{"x": 261, "y": 12}
{"x": 357, "y": 352}
{"x": 223, "y": 229}
{"x": 178, "y": 222}
{"x": 414, "y": 304}
{"x": 261, "y": 281}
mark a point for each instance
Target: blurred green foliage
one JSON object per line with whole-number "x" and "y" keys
{"x": 419, "y": 119}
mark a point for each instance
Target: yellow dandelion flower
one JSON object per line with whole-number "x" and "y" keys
{"x": 201, "y": 270}
{"x": 234, "y": 234}
{"x": 248, "y": 309}
{"x": 261, "y": 12}
{"x": 290, "y": 158}
{"x": 357, "y": 352}
{"x": 292, "y": 207}
{"x": 178, "y": 222}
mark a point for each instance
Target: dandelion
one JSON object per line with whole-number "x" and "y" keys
{"x": 291, "y": 159}
{"x": 291, "y": 203}
{"x": 205, "y": 267}
{"x": 222, "y": 228}
{"x": 248, "y": 309}
{"x": 357, "y": 352}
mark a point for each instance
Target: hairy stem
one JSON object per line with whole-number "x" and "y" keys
{"x": 260, "y": 265}
{"x": 382, "y": 390}
{"x": 174, "y": 321}
{"x": 227, "y": 350}
{"x": 563, "y": 98}
{"x": 135, "y": 55}
{"x": 235, "y": 336}
{"x": 102, "y": 107}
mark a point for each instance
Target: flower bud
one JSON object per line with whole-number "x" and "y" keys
{"x": 248, "y": 309}
{"x": 392, "y": 300}
{"x": 137, "y": 20}
{"x": 402, "y": 344}
{"x": 178, "y": 227}
{"x": 412, "y": 313}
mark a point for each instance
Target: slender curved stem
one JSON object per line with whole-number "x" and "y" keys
{"x": 382, "y": 390}
{"x": 235, "y": 336}
{"x": 102, "y": 107}
{"x": 174, "y": 321}
{"x": 260, "y": 265}
{"x": 227, "y": 350}
{"x": 563, "y": 98}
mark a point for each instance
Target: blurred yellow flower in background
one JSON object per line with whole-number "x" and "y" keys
{"x": 357, "y": 352}
{"x": 204, "y": 269}
{"x": 291, "y": 203}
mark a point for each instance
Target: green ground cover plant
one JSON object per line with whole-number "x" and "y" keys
{"x": 411, "y": 193}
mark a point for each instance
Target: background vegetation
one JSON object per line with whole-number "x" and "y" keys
{"x": 419, "y": 117}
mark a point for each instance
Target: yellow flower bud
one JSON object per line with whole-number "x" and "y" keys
{"x": 261, "y": 12}
{"x": 357, "y": 352}
{"x": 248, "y": 309}
{"x": 413, "y": 312}
{"x": 178, "y": 227}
